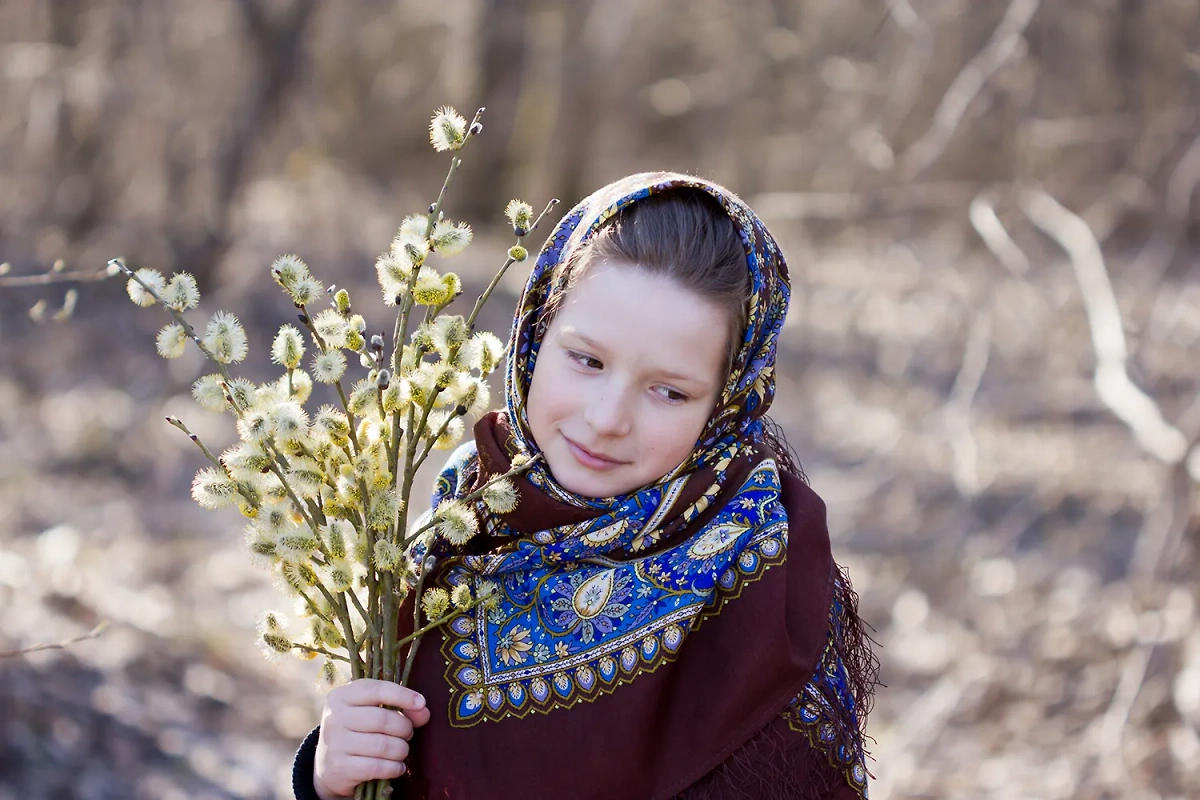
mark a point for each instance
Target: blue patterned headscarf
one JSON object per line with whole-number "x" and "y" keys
{"x": 751, "y": 384}
{"x": 613, "y": 592}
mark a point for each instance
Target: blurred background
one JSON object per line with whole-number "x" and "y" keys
{"x": 991, "y": 369}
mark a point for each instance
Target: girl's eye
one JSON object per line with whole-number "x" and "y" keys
{"x": 588, "y": 362}
{"x": 584, "y": 360}
{"x": 673, "y": 396}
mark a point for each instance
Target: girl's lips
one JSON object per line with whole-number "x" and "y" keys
{"x": 588, "y": 460}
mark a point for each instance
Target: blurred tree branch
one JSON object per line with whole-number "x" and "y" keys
{"x": 957, "y": 413}
{"x": 276, "y": 41}
{"x": 987, "y": 224}
{"x": 1004, "y": 45}
{"x": 1130, "y": 404}
{"x": 53, "y": 276}
{"x": 37, "y": 648}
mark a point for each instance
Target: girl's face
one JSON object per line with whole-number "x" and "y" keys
{"x": 626, "y": 378}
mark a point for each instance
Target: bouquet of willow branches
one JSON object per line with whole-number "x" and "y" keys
{"x": 328, "y": 495}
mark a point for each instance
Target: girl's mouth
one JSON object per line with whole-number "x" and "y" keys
{"x": 589, "y": 459}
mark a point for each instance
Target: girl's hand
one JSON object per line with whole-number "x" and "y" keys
{"x": 359, "y": 741}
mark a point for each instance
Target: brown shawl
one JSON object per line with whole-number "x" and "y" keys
{"x": 664, "y": 731}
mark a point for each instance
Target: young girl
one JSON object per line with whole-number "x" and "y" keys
{"x": 671, "y": 622}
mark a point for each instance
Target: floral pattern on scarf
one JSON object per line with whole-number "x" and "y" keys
{"x": 572, "y": 622}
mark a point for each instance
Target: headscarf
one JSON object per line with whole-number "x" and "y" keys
{"x": 596, "y": 593}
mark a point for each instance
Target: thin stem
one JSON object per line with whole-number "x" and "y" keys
{"x": 320, "y": 651}
{"x": 41, "y": 279}
{"x": 315, "y": 510}
{"x": 362, "y": 612}
{"x": 306, "y": 320}
{"x": 242, "y": 489}
{"x": 352, "y": 644}
{"x": 187, "y": 327}
{"x": 92, "y": 634}
{"x": 426, "y": 567}
{"x": 443, "y": 620}
{"x": 391, "y": 614}
{"x": 292, "y": 495}
{"x": 178, "y": 423}
{"x": 483, "y": 298}
{"x": 429, "y": 443}
{"x": 343, "y": 617}
{"x": 313, "y": 608}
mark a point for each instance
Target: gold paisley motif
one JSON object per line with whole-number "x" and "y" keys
{"x": 721, "y": 537}
{"x": 607, "y": 533}
{"x": 592, "y": 595}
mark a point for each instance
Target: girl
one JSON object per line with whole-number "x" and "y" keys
{"x": 671, "y": 622}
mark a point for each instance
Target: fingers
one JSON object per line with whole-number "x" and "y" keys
{"x": 346, "y": 758}
{"x": 347, "y": 772}
{"x": 373, "y": 745}
{"x": 375, "y": 768}
{"x": 360, "y": 741}
{"x": 372, "y": 719}
{"x": 418, "y": 717}
{"x": 371, "y": 692}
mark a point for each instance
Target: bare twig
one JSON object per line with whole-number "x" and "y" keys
{"x": 92, "y": 634}
{"x": 1004, "y": 45}
{"x": 47, "y": 278}
{"x": 320, "y": 651}
{"x": 908, "y": 19}
{"x": 958, "y": 408}
{"x": 1123, "y": 397}
{"x": 991, "y": 230}
{"x": 909, "y": 76}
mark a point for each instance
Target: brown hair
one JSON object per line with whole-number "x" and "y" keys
{"x": 681, "y": 234}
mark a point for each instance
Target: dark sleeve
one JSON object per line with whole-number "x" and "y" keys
{"x": 302, "y": 767}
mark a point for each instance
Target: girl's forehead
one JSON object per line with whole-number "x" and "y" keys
{"x": 608, "y": 281}
{"x": 643, "y": 314}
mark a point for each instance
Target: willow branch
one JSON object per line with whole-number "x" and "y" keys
{"x": 37, "y": 648}
{"x": 320, "y": 651}
{"x": 47, "y": 278}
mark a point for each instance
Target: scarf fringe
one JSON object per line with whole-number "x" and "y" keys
{"x": 768, "y": 767}
{"x": 855, "y": 649}
{"x": 832, "y": 709}
{"x": 785, "y": 454}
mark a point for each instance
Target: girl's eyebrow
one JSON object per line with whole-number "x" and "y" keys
{"x": 677, "y": 376}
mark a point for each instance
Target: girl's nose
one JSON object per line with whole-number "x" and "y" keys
{"x": 607, "y": 412}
